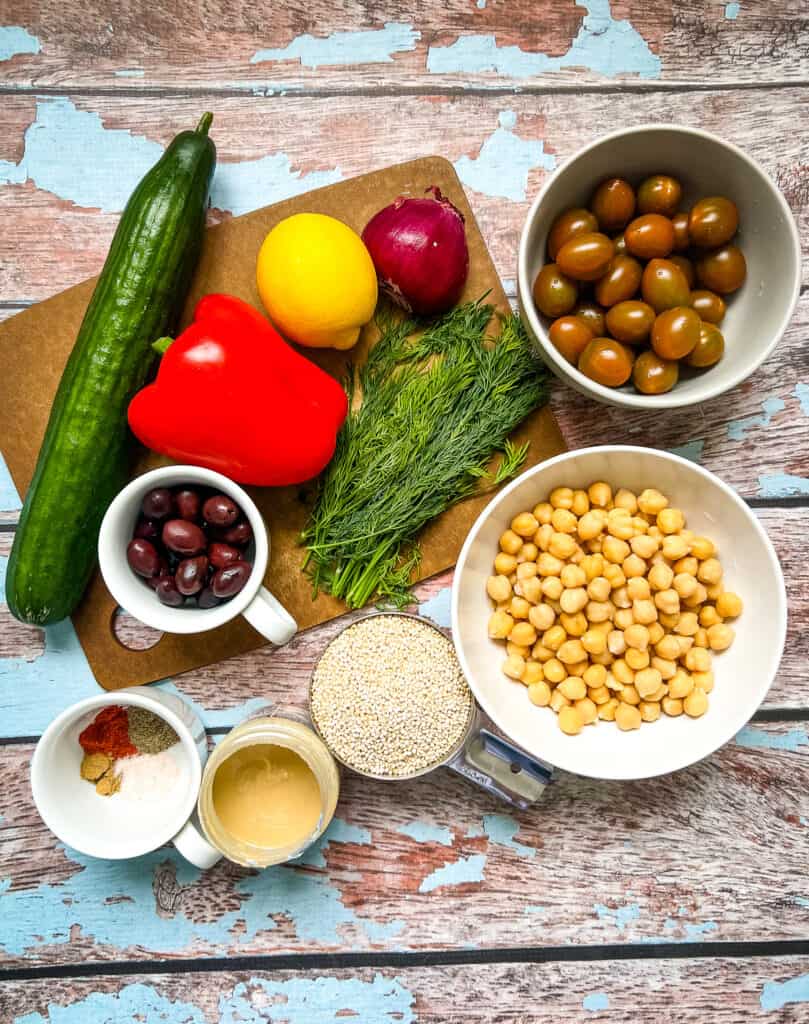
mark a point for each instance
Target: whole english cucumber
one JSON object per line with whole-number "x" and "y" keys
{"x": 85, "y": 455}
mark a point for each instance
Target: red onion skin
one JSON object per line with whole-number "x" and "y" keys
{"x": 419, "y": 249}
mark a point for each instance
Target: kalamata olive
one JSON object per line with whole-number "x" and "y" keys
{"x": 207, "y": 598}
{"x": 239, "y": 534}
{"x": 554, "y": 293}
{"x": 712, "y": 222}
{"x": 220, "y": 555}
{"x": 142, "y": 557}
{"x": 710, "y": 306}
{"x": 167, "y": 592}
{"x": 570, "y": 335}
{"x": 220, "y": 510}
{"x": 680, "y": 224}
{"x": 157, "y": 503}
{"x": 190, "y": 575}
{"x": 675, "y": 332}
{"x": 183, "y": 538}
{"x": 230, "y": 580}
{"x": 620, "y": 282}
{"x": 585, "y": 257}
{"x": 592, "y": 316}
{"x": 163, "y": 570}
{"x": 650, "y": 236}
{"x": 613, "y": 203}
{"x": 652, "y": 375}
{"x": 709, "y": 349}
{"x": 619, "y": 244}
{"x": 687, "y": 267}
{"x": 187, "y": 503}
{"x": 722, "y": 270}
{"x": 567, "y": 225}
{"x": 659, "y": 194}
{"x": 607, "y": 362}
{"x": 631, "y": 321}
{"x": 146, "y": 528}
{"x": 664, "y": 286}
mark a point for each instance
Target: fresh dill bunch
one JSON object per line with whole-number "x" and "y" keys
{"x": 436, "y": 407}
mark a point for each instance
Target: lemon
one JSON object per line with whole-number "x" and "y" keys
{"x": 317, "y": 281}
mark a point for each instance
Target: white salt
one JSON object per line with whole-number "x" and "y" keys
{"x": 148, "y": 776}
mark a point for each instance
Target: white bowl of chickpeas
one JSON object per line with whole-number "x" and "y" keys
{"x": 658, "y": 268}
{"x": 619, "y": 612}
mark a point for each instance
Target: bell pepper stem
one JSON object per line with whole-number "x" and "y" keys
{"x": 204, "y": 123}
{"x": 161, "y": 345}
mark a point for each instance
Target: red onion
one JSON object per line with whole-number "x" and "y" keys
{"x": 419, "y": 250}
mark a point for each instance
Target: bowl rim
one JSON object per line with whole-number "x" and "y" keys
{"x": 612, "y": 771}
{"x": 613, "y": 396}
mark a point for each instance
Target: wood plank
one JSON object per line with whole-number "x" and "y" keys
{"x": 723, "y": 990}
{"x": 433, "y": 864}
{"x": 394, "y": 45}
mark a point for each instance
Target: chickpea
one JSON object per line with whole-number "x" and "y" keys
{"x": 627, "y": 717}
{"x": 668, "y": 647}
{"x": 670, "y": 520}
{"x": 661, "y": 576}
{"x": 562, "y": 545}
{"x": 613, "y": 684}
{"x": 622, "y": 672}
{"x": 675, "y": 547}
{"x": 623, "y": 618}
{"x": 548, "y": 565}
{"x": 615, "y": 574}
{"x": 590, "y": 526}
{"x": 524, "y": 524}
{"x": 729, "y": 605}
{"x": 554, "y": 671}
{"x": 573, "y": 601}
{"x": 554, "y": 637}
{"x": 573, "y": 625}
{"x": 688, "y": 565}
{"x": 667, "y": 601}
{"x": 574, "y": 688}
{"x": 647, "y": 682}
{"x": 504, "y": 564}
{"x": 630, "y": 695}
{"x": 697, "y": 660}
{"x": 672, "y": 707}
{"x": 542, "y": 537}
{"x": 559, "y": 701}
{"x": 660, "y": 693}
{"x": 523, "y": 633}
{"x": 621, "y": 527}
{"x": 620, "y": 597}
{"x": 713, "y": 591}
{"x": 533, "y": 673}
{"x": 656, "y": 632}
{"x": 580, "y": 504}
{"x": 563, "y": 521}
{"x": 577, "y": 556}
{"x": 626, "y": 499}
{"x": 540, "y": 652}
{"x": 593, "y": 546}
{"x": 570, "y": 721}
{"x": 710, "y": 571}
{"x": 571, "y": 651}
{"x": 695, "y": 704}
{"x": 644, "y": 612}
{"x": 616, "y": 642}
{"x": 615, "y": 550}
{"x": 708, "y": 616}
{"x": 688, "y": 624}
{"x": 652, "y": 528}
{"x": 531, "y": 589}
{"x": 539, "y": 693}
{"x": 587, "y": 709}
{"x": 510, "y": 542}
{"x": 702, "y": 548}
{"x": 598, "y": 694}
{"x": 592, "y": 566}
{"x": 668, "y": 621}
{"x": 665, "y": 667}
{"x": 521, "y": 649}
{"x": 685, "y": 584}
{"x": 637, "y": 588}
{"x": 649, "y": 710}
{"x": 720, "y": 637}
{"x": 541, "y": 617}
{"x": 680, "y": 685}
{"x": 577, "y": 668}
{"x": 500, "y": 625}
{"x": 519, "y": 607}
{"x": 637, "y": 636}
{"x": 598, "y": 589}
{"x": 573, "y": 576}
{"x": 701, "y": 637}
{"x": 561, "y": 497}
{"x": 633, "y": 566}
{"x": 651, "y": 502}
{"x": 528, "y": 552}
{"x": 600, "y": 494}
{"x": 704, "y": 680}
{"x": 552, "y": 587}
{"x": 555, "y": 606}
{"x": 636, "y": 659}
{"x": 644, "y": 546}
{"x": 514, "y": 666}
{"x": 593, "y": 641}
{"x": 599, "y": 611}
{"x": 498, "y": 588}
{"x": 606, "y": 712}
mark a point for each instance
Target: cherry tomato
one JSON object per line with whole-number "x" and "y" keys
{"x": 687, "y": 267}
{"x": 712, "y": 222}
{"x": 567, "y": 225}
{"x": 620, "y": 282}
{"x": 659, "y": 194}
{"x": 554, "y": 293}
{"x": 710, "y": 306}
{"x": 585, "y": 257}
{"x": 650, "y": 236}
{"x": 620, "y": 245}
{"x": 680, "y": 224}
{"x": 652, "y": 375}
{"x": 591, "y": 314}
{"x": 664, "y": 286}
{"x": 709, "y": 349}
{"x": 675, "y": 332}
{"x": 607, "y": 362}
{"x": 570, "y": 336}
{"x": 630, "y": 322}
{"x": 613, "y": 203}
{"x": 722, "y": 270}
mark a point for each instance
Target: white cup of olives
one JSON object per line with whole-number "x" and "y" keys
{"x": 184, "y": 550}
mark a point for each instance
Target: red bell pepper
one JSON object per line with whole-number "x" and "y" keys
{"x": 233, "y": 396}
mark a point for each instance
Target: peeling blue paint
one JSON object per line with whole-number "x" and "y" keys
{"x": 596, "y": 1001}
{"x": 782, "y": 485}
{"x": 696, "y": 931}
{"x": 603, "y": 45}
{"x": 619, "y": 916}
{"x": 505, "y": 160}
{"x": 501, "y": 829}
{"x": 691, "y": 450}
{"x": 737, "y": 429}
{"x": 70, "y": 153}
{"x": 534, "y": 908}
{"x": 438, "y": 607}
{"x": 475, "y": 832}
{"x": 133, "y": 1003}
{"x": 801, "y": 392}
{"x": 801, "y": 901}
{"x": 10, "y": 500}
{"x": 318, "y": 1001}
{"x": 129, "y": 73}
{"x": 14, "y": 40}
{"x": 457, "y": 872}
{"x": 755, "y": 738}
{"x": 339, "y": 831}
{"x": 421, "y": 832}
{"x": 732, "y": 11}
{"x": 777, "y": 994}
{"x": 370, "y": 46}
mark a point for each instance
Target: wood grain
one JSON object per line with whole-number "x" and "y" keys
{"x": 210, "y": 45}
{"x": 592, "y": 863}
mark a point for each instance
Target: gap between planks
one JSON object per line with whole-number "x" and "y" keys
{"x": 425, "y": 958}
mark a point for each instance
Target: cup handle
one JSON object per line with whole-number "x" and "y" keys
{"x": 502, "y": 769}
{"x": 196, "y": 849}
{"x": 266, "y": 614}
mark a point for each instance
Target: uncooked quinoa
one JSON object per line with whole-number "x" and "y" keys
{"x": 388, "y": 696}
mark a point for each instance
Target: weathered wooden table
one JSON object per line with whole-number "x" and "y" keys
{"x": 681, "y": 899}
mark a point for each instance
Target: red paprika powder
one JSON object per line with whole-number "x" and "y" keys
{"x": 108, "y": 733}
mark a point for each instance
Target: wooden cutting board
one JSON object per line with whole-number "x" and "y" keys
{"x": 37, "y": 342}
